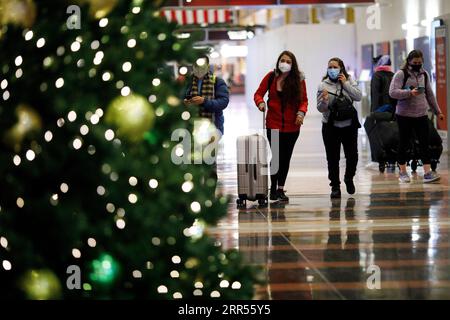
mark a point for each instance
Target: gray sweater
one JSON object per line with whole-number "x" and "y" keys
{"x": 408, "y": 105}
{"x": 350, "y": 90}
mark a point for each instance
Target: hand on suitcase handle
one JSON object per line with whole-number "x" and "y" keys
{"x": 299, "y": 120}
{"x": 262, "y": 107}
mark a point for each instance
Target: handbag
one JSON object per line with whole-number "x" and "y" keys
{"x": 342, "y": 108}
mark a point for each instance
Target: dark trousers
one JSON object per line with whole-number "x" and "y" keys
{"x": 333, "y": 137}
{"x": 287, "y": 142}
{"x": 407, "y": 126}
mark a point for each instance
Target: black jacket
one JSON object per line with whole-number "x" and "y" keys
{"x": 380, "y": 84}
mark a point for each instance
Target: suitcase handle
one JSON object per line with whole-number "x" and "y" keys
{"x": 264, "y": 119}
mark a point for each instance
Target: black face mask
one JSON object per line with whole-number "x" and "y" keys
{"x": 416, "y": 67}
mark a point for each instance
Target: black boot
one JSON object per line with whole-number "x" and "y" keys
{"x": 282, "y": 196}
{"x": 350, "y": 186}
{"x": 335, "y": 193}
{"x": 273, "y": 193}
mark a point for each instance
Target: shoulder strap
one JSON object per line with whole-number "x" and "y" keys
{"x": 271, "y": 78}
{"x": 333, "y": 94}
{"x": 405, "y": 78}
{"x": 426, "y": 78}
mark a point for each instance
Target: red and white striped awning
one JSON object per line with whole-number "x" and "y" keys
{"x": 186, "y": 17}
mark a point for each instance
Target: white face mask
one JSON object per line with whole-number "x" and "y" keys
{"x": 200, "y": 72}
{"x": 284, "y": 67}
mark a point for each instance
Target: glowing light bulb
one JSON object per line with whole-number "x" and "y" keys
{"x": 29, "y": 35}
{"x": 72, "y": 116}
{"x": 109, "y": 135}
{"x": 18, "y": 61}
{"x": 30, "y": 155}
{"x": 40, "y": 43}
{"x": 103, "y": 22}
{"x": 59, "y": 83}
{"x": 131, "y": 43}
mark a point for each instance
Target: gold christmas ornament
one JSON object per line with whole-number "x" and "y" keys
{"x": 132, "y": 115}
{"x": 99, "y": 8}
{"x": 18, "y": 12}
{"x": 41, "y": 285}
{"x": 28, "y": 122}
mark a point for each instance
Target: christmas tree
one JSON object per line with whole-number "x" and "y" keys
{"x": 92, "y": 205}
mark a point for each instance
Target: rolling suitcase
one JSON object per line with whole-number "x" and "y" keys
{"x": 383, "y": 136}
{"x": 435, "y": 145}
{"x": 252, "y": 169}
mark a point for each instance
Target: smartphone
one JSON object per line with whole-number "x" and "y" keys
{"x": 421, "y": 90}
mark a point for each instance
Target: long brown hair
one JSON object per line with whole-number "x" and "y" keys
{"x": 341, "y": 65}
{"x": 291, "y": 86}
{"x": 412, "y": 55}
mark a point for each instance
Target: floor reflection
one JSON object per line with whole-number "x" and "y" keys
{"x": 315, "y": 248}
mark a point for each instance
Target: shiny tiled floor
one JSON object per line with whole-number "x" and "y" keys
{"x": 315, "y": 248}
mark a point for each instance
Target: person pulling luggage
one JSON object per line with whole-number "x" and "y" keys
{"x": 382, "y": 105}
{"x": 381, "y": 101}
{"x": 287, "y": 106}
{"x": 335, "y": 98}
{"x": 411, "y": 87}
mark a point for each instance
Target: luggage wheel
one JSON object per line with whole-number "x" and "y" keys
{"x": 263, "y": 202}
{"x": 241, "y": 203}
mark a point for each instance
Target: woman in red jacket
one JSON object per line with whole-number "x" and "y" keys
{"x": 287, "y": 107}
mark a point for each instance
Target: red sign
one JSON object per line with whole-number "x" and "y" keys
{"x": 441, "y": 75}
{"x": 200, "y": 16}
{"x": 224, "y": 3}
{"x": 323, "y": 1}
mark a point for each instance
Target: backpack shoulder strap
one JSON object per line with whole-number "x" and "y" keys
{"x": 427, "y": 83}
{"x": 405, "y": 77}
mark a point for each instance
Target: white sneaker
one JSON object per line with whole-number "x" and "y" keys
{"x": 404, "y": 178}
{"x": 431, "y": 177}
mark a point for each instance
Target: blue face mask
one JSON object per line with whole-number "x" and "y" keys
{"x": 333, "y": 73}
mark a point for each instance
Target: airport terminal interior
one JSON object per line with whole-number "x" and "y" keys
{"x": 315, "y": 247}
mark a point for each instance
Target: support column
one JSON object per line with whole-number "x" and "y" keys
{"x": 288, "y": 16}
{"x": 350, "y": 15}
{"x": 314, "y": 16}
{"x": 269, "y": 18}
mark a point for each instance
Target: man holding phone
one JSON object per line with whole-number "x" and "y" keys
{"x": 208, "y": 93}
{"x": 210, "y": 96}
